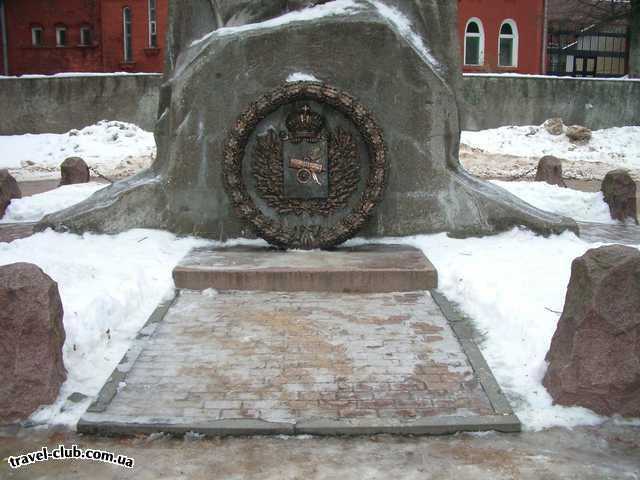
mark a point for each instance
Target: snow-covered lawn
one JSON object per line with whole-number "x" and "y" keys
{"x": 512, "y": 285}
{"x": 618, "y": 147}
{"x": 581, "y": 206}
{"x": 109, "y": 286}
{"x": 33, "y": 208}
{"x": 115, "y": 149}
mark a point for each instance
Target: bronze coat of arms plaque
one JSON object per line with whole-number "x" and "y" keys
{"x": 305, "y": 166}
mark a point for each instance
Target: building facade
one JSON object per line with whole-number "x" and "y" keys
{"x": 502, "y": 36}
{"x": 53, "y": 36}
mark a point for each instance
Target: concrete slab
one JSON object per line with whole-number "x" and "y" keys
{"x": 250, "y": 362}
{"x": 363, "y": 269}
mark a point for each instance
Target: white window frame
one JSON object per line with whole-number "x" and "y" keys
{"x": 515, "y": 37}
{"x": 82, "y": 39}
{"x": 33, "y": 36}
{"x": 480, "y": 35}
{"x": 153, "y": 23}
{"x": 126, "y": 42}
{"x": 66, "y": 37}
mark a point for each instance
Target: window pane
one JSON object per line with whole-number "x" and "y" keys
{"x": 506, "y": 52}
{"x": 506, "y": 29}
{"x": 472, "y": 53}
{"x": 473, "y": 28}
{"x": 128, "y": 48}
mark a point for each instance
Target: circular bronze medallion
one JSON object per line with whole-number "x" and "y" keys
{"x": 305, "y": 165}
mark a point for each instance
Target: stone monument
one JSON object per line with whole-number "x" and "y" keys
{"x": 306, "y": 123}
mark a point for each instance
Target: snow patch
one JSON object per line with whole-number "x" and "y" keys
{"x": 302, "y": 77}
{"x": 109, "y": 285}
{"x": 581, "y": 206}
{"x": 83, "y": 74}
{"x": 336, "y": 7}
{"x": 403, "y": 25}
{"x": 618, "y": 147}
{"x": 35, "y": 207}
{"x": 114, "y": 149}
{"x": 512, "y": 285}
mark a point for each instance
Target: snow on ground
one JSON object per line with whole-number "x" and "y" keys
{"x": 33, "y": 208}
{"x": 109, "y": 286}
{"x": 617, "y": 147}
{"x": 512, "y": 285}
{"x": 581, "y": 206}
{"x": 115, "y": 149}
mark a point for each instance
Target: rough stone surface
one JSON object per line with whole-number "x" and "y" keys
{"x": 31, "y": 367}
{"x": 594, "y": 359}
{"x": 554, "y": 126}
{"x": 578, "y": 134}
{"x": 74, "y": 170}
{"x": 550, "y": 171}
{"x": 411, "y": 91}
{"x": 9, "y": 190}
{"x": 282, "y": 357}
{"x": 620, "y": 190}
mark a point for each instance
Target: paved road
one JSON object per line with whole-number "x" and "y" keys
{"x": 609, "y": 452}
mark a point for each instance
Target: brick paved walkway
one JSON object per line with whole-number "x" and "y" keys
{"x": 290, "y": 358}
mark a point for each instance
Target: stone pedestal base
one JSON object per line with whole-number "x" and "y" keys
{"x": 363, "y": 269}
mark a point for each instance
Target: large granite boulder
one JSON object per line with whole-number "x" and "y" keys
{"x": 74, "y": 170}
{"x": 9, "y": 190}
{"x": 550, "y": 171}
{"x": 620, "y": 190}
{"x": 594, "y": 359}
{"x": 397, "y": 57}
{"x": 31, "y": 366}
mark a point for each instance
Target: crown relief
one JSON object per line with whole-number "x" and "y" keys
{"x": 304, "y": 123}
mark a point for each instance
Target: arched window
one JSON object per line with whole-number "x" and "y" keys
{"x": 127, "y": 34}
{"x": 474, "y": 42}
{"x": 508, "y": 44}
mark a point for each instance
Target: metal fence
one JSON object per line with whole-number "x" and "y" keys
{"x": 588, "y": 53}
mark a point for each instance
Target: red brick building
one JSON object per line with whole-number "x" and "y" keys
{"x": 53, "y": 36}
{"x": 502, "y": 36}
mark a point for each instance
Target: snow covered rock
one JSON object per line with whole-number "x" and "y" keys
{"x": 578, "y": 134}
{"x": 620, "y": 191}
{"x": 594, "y": 359}
{"x": 31, "y": 366}
{"x": 74, "y": 170}
{"x": 9, "y": 190}
{"x": 554, "y": 126}
{"x": 550, "y": 171}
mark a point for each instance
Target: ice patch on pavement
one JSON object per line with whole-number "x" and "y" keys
{"x": 35, "y": 207}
